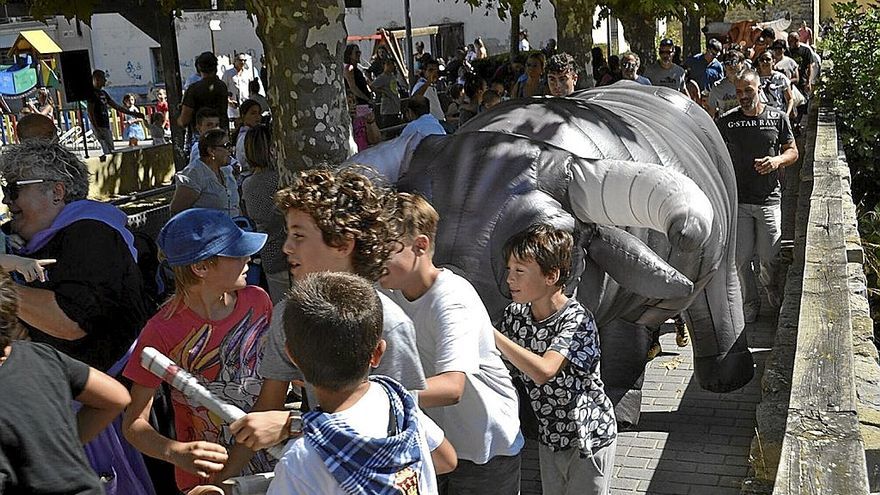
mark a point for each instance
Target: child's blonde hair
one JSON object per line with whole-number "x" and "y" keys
{"x": 184, "y": 279}
{"x": 415, "y": 216}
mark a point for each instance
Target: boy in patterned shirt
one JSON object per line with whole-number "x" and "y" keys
{"x": 553, "y": 341}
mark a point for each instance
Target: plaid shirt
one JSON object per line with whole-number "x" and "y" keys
{"x": 363, "y": 465}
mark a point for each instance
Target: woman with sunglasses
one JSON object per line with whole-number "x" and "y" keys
{"x": 208, "y": 181}
{"x": 775, "y": 87}
{"x": 90, "y": 304}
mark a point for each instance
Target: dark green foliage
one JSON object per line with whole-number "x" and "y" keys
{"x": 852, "y": 86}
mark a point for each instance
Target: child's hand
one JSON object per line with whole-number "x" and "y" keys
{"x": 30, "y": 269}
{"x": 199, "y": 458}
{"x": 259, "y": 430}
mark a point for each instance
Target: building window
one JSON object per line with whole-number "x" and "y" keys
{"x": 158, "y": 70}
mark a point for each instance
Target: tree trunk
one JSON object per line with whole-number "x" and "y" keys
{"x": 691, "y": 36}
{"x": 304, "y": 43}
{"x": 574, "y": 35}
{"x": 640, "y": 32}
{"x": 516, "y": 10}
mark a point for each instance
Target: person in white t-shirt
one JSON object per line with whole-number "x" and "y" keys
{"x": 369, "y": 435}
{"x": 469, "y": 393}
{"x": 425, "y": 87}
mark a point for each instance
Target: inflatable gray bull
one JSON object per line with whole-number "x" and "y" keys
{"x": 641, "y": 178}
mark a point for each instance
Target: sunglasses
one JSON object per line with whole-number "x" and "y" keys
{"x": 665, "y": 52}
{"x": 765, "y": 60}
{"x": 227, "y": 145}
{"x": 12, "y": 189}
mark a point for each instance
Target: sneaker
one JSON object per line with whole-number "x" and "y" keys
{"x": 654, "y": 351}
{"x": 750, "y": 311}
{"x": 681, "y": 333}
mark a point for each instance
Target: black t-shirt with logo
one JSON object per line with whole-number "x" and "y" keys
{"x": 40, "y": 450}
{"x": 748, "y": 138}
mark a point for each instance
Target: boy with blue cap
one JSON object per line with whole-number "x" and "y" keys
{"x": 213, "y": 327}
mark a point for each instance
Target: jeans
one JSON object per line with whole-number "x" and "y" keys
{"x": 499, "y": 476}
{"x": 757, "y": 236}
{"x": 105, "y": 139}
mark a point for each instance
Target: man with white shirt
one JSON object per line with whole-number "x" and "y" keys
{"x": 417, "y": 110}
{"x": 237, "y": 80}
{"x": 425, "y": 87}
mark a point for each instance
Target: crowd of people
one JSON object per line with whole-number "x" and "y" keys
{"x": 405, "y": 381}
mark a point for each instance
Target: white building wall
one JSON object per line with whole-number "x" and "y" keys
{"x": 123, "y": 52}
{"x": 237, "y": 34}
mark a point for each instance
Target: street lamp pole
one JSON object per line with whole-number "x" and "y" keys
{"x": 213, "y": 25}
{"x": 410, "y": 63}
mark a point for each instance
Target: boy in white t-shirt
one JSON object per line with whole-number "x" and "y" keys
{"x": 469, "y": 392}
{"x": 368, "y": 436}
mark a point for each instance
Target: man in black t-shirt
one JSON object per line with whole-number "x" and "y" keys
{"x": 99, "y": 115}
{"x": 209, "y": 91}
{"x": 805, "y": 58}
{"x": 760, "y": 142}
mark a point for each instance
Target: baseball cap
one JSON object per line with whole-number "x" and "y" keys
{"x": 200, "y": 233}
{"x": 667, "y": 42}
{"x": 714, "y": 44}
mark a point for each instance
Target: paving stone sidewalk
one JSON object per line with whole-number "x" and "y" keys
{"x": 689, "y": 441}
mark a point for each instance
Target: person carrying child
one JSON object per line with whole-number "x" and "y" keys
{"x": 553, "y": 341}
{"x": 41, "y": 437}
{"x": 470, "y": 393}
{"x": 337, "y": 221}
{"x": 368, "y": 435}
{"x": 213, "y": 327}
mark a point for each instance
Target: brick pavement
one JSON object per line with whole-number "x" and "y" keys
{"x": 688, "y": 441}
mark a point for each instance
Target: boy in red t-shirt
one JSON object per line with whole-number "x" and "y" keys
{"x": 213, "y": 327}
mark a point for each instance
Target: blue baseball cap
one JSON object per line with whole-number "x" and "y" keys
{"x": 197, "y": 234}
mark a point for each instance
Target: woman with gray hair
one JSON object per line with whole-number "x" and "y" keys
{"x": 90, "y": 303}
{"x": 91, "y": 306}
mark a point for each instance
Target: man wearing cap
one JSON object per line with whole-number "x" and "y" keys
{"x": 664, "y": 72}
{"x": 213, "y": 327}
{"x": 237, "y": 81}
{"x": 210, "y": 91}
{"x": 704, "y": 68}
{"x": 760, "y": 141}
{"x": 722, "y": 96}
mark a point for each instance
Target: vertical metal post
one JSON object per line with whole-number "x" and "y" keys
{"x": 410, "y": 63}
{"x": 213, "y": 46}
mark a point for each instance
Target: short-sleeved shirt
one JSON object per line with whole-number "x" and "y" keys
{"x": 258, "y": 191}
{"x": 722, "y": 96}
{"x": 208, "y": 92}
{"x": 748, "y": 138}
{"x": 97, "y": 284}
{"x": 455, "y": 334}
{"x": 773, "y": 89}
{"x": 400, "y": 361}
{"x": 787, "y": 66}
{"x": 40, "y": 451}
{"x": 572, "y": 408}
{"x": 97, "y": 103}
{"x": 705, "y": 73}
{"x": 431, "y": 95}
{"x": 213, "y": 194}
{"x": 386, "y": 86}
{"x": 672, "y": 78}
{"x": 223, "y": 355}
{"x": 804, "y": 57}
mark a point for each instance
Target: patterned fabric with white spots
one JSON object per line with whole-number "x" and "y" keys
{"x": 572, "y": 408}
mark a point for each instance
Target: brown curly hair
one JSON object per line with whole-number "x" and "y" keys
{"x": 346, "y": 204}
{"x": 10, "y": 329}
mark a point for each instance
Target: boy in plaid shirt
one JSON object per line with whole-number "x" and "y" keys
{"x": 553, "y": 341}
{"x": 367, "y": 436}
